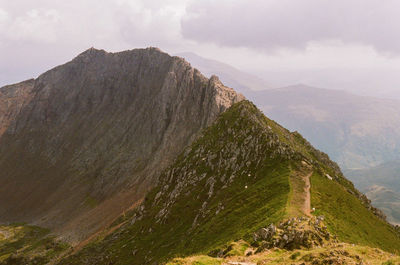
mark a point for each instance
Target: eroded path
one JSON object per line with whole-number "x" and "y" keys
{"x": 300, "y": 198}
{"x": 307, "y": 196}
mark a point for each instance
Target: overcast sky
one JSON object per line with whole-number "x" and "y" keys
{"x": 336, "y": 44}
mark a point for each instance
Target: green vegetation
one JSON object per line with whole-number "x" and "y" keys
{"x": 330, "y": 254}
{"x": 233, "y": 180}
{"x": 23, "y": 244}
{"x": 197, "y": 260}
{"x": 347, "y": 218}
{"x": 218, "y": 204}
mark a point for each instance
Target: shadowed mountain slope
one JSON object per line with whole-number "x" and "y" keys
{"x": 96, "y": 133}
{"x": 13, "y": 99}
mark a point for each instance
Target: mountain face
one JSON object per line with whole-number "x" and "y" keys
{"x": 239, "y": 182}
{"x": 86, "y": 140}
{"x": 13, "y": 99}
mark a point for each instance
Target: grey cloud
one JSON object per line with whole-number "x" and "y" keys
{"x": 272, "y": 24}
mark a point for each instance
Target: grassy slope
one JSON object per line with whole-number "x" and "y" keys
{"x": 342, "y": 254}
{"x": 348, "y": 218}
{"x": 22, "y": 243}
{"x": 244, "y": 209}
{"x": 272, "y": 153}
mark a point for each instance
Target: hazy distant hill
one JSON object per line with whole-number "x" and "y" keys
{"x": 382, "y": 185}
{"x": 231, "y": 76}
{"x": 356, "y": 131}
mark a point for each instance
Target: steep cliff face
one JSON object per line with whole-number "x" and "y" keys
{"x": 13, "y": 99}
{"x": 96, "y": 134}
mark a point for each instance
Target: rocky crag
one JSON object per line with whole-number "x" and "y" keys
{"x": 86, "y": 140}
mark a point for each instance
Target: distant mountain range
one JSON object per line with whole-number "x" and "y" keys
{"x": 231, "y": 76}
{"x": 385, "y": 191}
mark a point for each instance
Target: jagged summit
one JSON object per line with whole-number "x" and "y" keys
{"x": 96, "y": 132}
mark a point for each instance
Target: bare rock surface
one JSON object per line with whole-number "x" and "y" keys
{"x": 92, "y": 135}
{"x": 12, "y": 100}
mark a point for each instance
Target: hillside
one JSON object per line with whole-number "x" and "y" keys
{"x": 245, "y": 172}
{"x": 355, "y": 131}
{"x": 86, "y": 140}
{"x": 13, "y": 99}
{"x": 381, "y": 185}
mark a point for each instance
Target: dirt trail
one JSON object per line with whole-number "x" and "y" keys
{"x": 300, "y": 199}
{"x": 307, "y": 196}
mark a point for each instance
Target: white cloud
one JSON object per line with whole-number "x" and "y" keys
{"x": 3, "y": 16}
{"x": 39, "y": 25}
{"x": 255, "y": 35}
{"x": 273, "y": 24}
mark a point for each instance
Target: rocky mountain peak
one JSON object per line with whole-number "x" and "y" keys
{"x": 103, "y": 125}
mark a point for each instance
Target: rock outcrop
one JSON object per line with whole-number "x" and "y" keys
{"x": 295, "y": 233}
{"x": 93, "y": 134}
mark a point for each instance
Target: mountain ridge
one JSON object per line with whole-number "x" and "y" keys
{"x": 102, "y": 122}
{"x": 140, "y": 158}
{"x": 233, "y": 180}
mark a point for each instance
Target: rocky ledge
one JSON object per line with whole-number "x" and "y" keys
{"x": 295, "y": 233}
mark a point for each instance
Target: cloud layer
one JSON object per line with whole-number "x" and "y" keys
{"x": 299, "y": 38}
{"x": 37, "y": 35}
{"x": 275, "y": 24}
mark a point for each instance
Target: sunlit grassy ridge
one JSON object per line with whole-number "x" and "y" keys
{"x": 231, "y": 181}
{"x": 332, "y": 254}
{"x": 349, "y": 219}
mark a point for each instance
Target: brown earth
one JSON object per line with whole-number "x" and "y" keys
{"x": 300, "y": 198}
